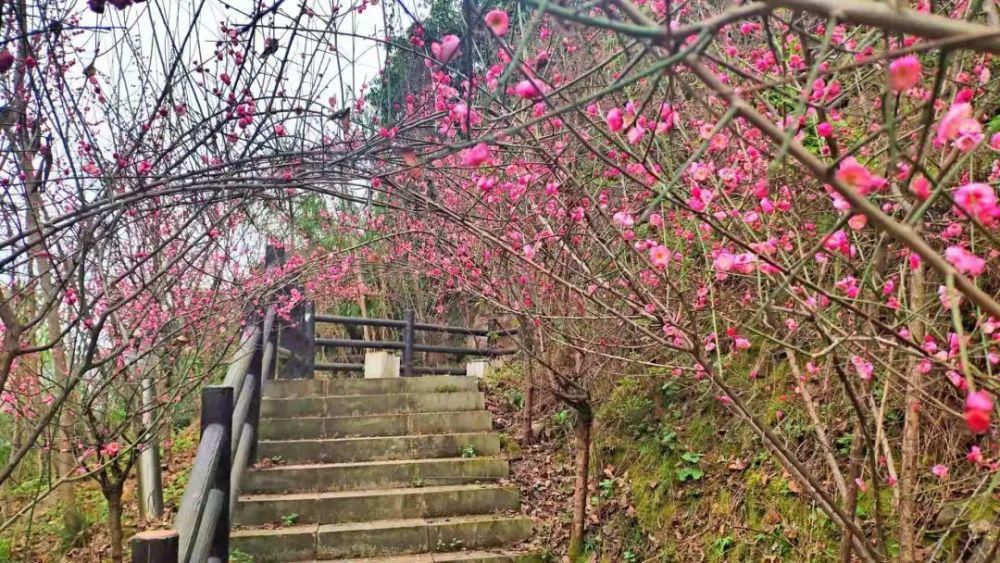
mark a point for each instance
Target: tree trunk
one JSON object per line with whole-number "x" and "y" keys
{"x": 114, "y": 498}
{"x": 527, "y": 436}
{"x": 64, "y": 460}
{"x": 584, "y": 423}
{"x": 851, "y": 503}
{"x": 909, "y": 455}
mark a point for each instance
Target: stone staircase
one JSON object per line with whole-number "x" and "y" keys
{"x": 398, "y": 470}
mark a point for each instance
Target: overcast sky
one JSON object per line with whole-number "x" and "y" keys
{"x": 146, "y": 27}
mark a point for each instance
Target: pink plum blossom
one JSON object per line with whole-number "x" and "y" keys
{"x": 446, "y": 49}
{"x": 497, "y": 21}
{"x": 615, "y": 120}
{"x": 527, "y": 89}
{"x": 940, "y": 471}
{"x": 635, "y": 134}
{"x": 904, "y": 73}
{"x": 623, "y": 219}
{"x": 659, "y": 255}
{"x": 6, "y": 61}
{"x": 978, "y": 201}
{"x": 477, "y": 155}
{"x": 864, "y": 368}
{"x": 964, "y": 261}
{"x": 978, "y": 411}
{"x": 921, "y": 188}
{"x": 857, "y": 176}
{"x": 959, "y": 126}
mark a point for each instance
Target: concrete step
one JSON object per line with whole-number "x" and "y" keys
{"x": 375, "y": 474}
{"x": 376, "y": 425}
{"x": 358, "y": 405}
{"x": 321, "y": 387}
{"x": 342, "y": 450}
{"x": 386, "y": 537}
{"x": 374, "y": 504}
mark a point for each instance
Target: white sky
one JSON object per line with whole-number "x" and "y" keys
{"x": 360, "y": 58}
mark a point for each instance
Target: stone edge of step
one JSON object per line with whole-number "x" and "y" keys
{"x": 441, "y": 557}
{"x": 365, "y": 387}
{"x": 369, "y": 493}
{"x": 381, "y": 463}
{"x": 373, "y": 438}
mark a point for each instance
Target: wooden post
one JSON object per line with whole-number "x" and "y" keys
{"x": 217, "y": 408}
{"x": 309, "y": 331}
{"x": 150, "y": 480}
{"x": 258, "y": 371}
{"x": 491, "y": 337}
{"x": 155, "y": 546}
{"x": 273, "y": 256}
{"x": 294, "y": 338}
{"x": 408, "y": 337}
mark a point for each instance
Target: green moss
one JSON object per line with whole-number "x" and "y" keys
{"x": 649, "y": 428}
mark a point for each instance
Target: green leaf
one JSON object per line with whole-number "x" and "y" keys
{"x": 685, "y": 474}
{"x": 691, "y": 457}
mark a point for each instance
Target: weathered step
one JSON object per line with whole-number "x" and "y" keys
{"x": 358, "y": 405}
{"x": 385, "y": 537}
{"x": 321, "y": 387}
{"x": 375, "y": 474}
{"x": 375, "y": 504}
{"x": 376, "y": 425}
{"x": 380, "y": 448}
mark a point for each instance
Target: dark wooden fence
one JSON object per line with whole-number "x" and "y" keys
{"x": 408, "y": 344}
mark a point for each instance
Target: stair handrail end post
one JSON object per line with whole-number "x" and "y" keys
{"x": 309, "y": 328}
{"x": 155, "y": 546}
{"x": 217, "y": 408}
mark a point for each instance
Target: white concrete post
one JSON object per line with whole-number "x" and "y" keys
{"x": 477, "y": 368}
{"x": 381, "y": 364}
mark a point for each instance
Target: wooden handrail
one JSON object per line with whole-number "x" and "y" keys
{"x": 230, "y": 418}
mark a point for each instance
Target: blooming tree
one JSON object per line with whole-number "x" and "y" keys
{"x": 732, "y": 192}
{"x": 790, "y": 191}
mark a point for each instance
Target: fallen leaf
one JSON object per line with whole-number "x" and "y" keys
{"x": 794, "y": 487}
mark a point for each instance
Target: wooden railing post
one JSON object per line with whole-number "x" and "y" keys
{"x": 408, "y": 337}
{"x": 491, "y": 336}
{"x": 309, "y": 331}
{"x": 259, "y": 371}
{"x": 150, "y": 479}
{"x": 217, "y": 408}
{"x": 155, "y": 546}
